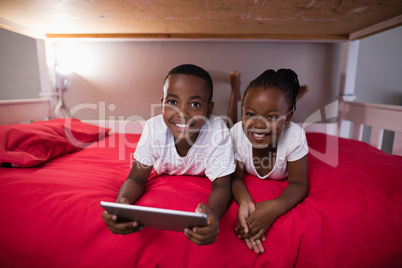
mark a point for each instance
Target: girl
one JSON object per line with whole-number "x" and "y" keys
{"x": 268, "y": 145}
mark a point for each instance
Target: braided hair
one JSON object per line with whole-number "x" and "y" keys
{"x": 284, "y": 79}
{"x": 191, "y": 69}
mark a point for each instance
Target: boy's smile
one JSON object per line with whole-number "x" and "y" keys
{"x": 265, "y": 111}
{"x": 185, "y": 106}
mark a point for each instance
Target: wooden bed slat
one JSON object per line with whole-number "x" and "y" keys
{"x": 376, "y": 137}
{"x": 397, "y": 147}
{"x": 16, "y": 111}
{"x": 358, "y": 132}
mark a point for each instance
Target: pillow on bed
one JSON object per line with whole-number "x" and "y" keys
{"x": 28, "y": 145}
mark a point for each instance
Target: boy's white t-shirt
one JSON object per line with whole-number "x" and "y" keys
{"x": 292, "y": 145}
{"x": 211, "y": 155}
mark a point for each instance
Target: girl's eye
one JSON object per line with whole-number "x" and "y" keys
{"x": 250, "y": 114}
{"x": 171, "y": 102}
{"x": 272, "y": 117}
{"x": 195, "y": 104}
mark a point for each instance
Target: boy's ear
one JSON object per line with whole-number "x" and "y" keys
{"x": 289, "y": 117}
{"x": 210, "y": 108}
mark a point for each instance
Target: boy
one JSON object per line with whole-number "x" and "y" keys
{"x": 184, "y": 139}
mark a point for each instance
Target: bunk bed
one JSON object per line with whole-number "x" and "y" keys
{"x": 55, "y": 171}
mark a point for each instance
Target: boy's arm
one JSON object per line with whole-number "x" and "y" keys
{"x": 267, "y": 211}
{"x": 134, "y": 186}
{"x": 219, "y": 200}
{"x": 129, "y": 192}
{"x": 220, "y": 197}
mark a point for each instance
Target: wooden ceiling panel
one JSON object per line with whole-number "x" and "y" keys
{"x": 287, "y": 19}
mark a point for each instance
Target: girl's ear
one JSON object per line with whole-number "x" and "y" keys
{"x": 210, "y": 108}
{"x": 289, "y": 117}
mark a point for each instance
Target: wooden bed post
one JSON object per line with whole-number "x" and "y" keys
{"x": 350, "y": 51}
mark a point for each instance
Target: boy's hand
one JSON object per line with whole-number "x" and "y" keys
{"x": 204, "y": 235}
{"x": 122, "y": 227}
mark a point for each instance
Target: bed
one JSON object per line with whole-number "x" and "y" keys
{"x": 51, "y": 215}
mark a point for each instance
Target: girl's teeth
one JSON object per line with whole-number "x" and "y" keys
{"x": 182, "y": 125}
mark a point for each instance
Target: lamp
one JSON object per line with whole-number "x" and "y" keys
{"x": 62, "y": 75}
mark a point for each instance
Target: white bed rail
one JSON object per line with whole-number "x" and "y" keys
{"x": 379, "y": 116}
{"x": 17, "y": 111}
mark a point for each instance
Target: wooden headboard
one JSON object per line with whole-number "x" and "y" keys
{"x": 17, "y": 111}
{"x": 379, "y": 117}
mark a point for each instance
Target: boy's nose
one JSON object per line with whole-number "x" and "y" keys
{"x": 183, "y": 112}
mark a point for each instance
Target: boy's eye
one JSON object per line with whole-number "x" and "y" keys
{"x": 250, "y": 114}
{"x": 171, "y": 102}
{"x": 195, "y": 104}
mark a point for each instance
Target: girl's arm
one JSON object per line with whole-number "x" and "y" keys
{"x": 239, "y": 189}
{"x": 297, "y": 189}
{"x": 246, "y": 206}
{"x": 267, "y": 211}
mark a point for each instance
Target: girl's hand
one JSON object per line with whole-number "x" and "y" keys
{"x": 245, "y": 209}
{"x": 120, "y": 227}
{"x": 259, "y": 221}
{"x": 255, "y": 245}
{"x": 207, "y": 234}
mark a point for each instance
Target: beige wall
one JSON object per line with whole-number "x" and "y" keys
{"x": 19, "y": 73}
{"x": 122, "y": 78}
{"x": 128, "y": 74}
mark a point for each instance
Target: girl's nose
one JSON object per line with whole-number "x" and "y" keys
{"x": 260, "y": 122}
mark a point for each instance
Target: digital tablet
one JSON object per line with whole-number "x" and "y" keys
{"x": 156, "y": 218}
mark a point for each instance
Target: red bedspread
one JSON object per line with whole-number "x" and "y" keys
{"x": 352, "y": 217}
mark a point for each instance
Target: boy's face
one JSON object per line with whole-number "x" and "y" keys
{"x": 185, "y": 105}
{"x": 264, "y": 114}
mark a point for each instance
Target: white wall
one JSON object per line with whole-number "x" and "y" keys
{"x": 19, "y": 73}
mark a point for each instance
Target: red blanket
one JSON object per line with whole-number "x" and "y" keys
{"x": 352, "y": 217}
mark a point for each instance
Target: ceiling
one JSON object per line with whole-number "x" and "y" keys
{"x": 236, "y": 19}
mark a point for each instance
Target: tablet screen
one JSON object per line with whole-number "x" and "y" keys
{"x": 156, "y": 218}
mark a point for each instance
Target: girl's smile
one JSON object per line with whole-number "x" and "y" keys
{"x": 265, "y": 112}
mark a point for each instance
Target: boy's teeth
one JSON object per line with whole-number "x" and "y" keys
{"x": 259, "y": 135}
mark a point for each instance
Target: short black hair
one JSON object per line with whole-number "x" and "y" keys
{"x": 285, "y": 80}
{"x": 191, "y": 69}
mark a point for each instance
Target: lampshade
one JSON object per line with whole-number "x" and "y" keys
{"x": 62, "y": 74}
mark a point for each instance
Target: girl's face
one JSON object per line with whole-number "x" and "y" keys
{"x": 185, "y": 106}
{"x": 265, "y": 112}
